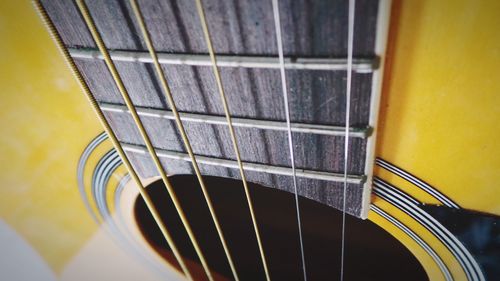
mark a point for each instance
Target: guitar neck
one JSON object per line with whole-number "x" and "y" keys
{"x": 315, "y": 50}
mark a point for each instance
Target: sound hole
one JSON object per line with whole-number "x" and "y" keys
{"x": 371, "y": 252}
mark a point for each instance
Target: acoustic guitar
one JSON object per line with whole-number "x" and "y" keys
{"x": 250, "y": 140}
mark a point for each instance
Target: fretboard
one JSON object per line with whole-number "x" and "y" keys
{"x": 243, "y": 34}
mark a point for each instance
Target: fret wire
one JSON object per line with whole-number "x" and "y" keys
{"x": 166, "y": 90}
{"x": 360, "y": 65}
{"x": 249, "y": 166}
{"x": 147, "y": 199}
{"x": 218, "y": 79}
{"x": 306, "y": 128}
{"x": 119, "y": 83}
{"x": 350, "y": 44}
{"x": 277, "y": 25}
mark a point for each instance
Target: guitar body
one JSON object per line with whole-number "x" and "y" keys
{"x": 431, "y": 103}
{"x": 71, "y": 212}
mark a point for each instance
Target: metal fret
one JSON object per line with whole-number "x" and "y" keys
{"x": 263, "y": 168}
{"x": 360, "y": 65}
{"x": 331, "y": 130}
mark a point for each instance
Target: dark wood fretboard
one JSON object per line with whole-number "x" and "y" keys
{"x": 244, "y": 38}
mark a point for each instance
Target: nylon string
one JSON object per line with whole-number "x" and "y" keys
{"x": 350, "y": 43}
{"x": 279, "y": 41}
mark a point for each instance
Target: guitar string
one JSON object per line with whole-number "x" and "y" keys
{"x": 218, "y": 80}
{"x": 119, "y": 83}
{"x": 277, "y": 26}
{"x": 350, "y": 44}
{"x": 147, "y": 199}
{"x": 166, "y": 90}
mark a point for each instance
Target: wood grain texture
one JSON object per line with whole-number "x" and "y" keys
{"x": 310, "y": 28}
